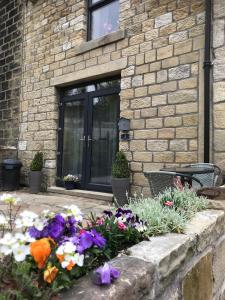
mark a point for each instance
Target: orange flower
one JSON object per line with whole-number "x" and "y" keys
{"x": 50, "y": 274}
{"x": 40, "y": 250}
{"x": 61, "y": 259}
{"x": 70, "y": 266}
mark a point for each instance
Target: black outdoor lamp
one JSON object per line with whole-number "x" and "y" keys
{"x": 124, "y": 127}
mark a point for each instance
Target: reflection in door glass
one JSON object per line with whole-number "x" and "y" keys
{"x": 104, "y": 138}
{"x": 73, "y": 138}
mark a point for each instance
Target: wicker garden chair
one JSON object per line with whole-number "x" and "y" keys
{"x": 159, "y": 181}
{"x": 207, "y": 179}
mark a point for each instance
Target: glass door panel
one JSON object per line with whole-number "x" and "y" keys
{"x": 103, "y": 138}
{"x": 73, "y": 138}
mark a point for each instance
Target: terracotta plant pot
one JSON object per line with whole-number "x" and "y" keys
{"x": 35, "y": 180}
{"x": 120, "y": 188}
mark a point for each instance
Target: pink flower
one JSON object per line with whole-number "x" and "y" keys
{"x": 82, "y": 231}
{"x": 168, "y": 203}
{"x": 100, "y": 221}
{"x": 121, "y": 226}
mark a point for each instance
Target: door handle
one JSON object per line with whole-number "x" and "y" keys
{"x": 83, "y": 139}
{"x": 89, "y": 140}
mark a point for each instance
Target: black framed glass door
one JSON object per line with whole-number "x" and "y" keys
{"x": 88, "y": 135}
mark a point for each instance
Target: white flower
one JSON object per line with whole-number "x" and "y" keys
{"x": 79, "y": 259}
{"x": 7, "y": 242}
{"x": 28, "y": 214}
{"x": 20, "y": 252}
{"x": 66, "y": 248}
{"x": 75, "y": 259}
{"x": 6, "y": 250}
{"x": 75, "y": 211}
{"x": 26, "y": 219}
{"x": 10, "y": 199}
{"x": 3, "y": 220}
{"x": 8, "y": 239}
{"x": 28, "y": 238}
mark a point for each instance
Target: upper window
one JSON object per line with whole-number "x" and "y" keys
{"x": 103, "y": 17}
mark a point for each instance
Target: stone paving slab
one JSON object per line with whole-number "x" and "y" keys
{"x": 54, "y": 202}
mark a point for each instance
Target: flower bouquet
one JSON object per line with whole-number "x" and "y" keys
{"x": 42, "y": 255}
{"x": 71, "y": 181}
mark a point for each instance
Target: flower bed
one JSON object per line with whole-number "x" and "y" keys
{"x": 44, "y": 254}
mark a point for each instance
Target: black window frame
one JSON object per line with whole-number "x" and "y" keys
{"x": 92, "y": 7}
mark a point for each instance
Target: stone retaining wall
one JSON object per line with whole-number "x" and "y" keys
{"x": 190, "y": 266}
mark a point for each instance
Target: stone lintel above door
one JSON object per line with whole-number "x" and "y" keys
{"x": 99, "y": 71}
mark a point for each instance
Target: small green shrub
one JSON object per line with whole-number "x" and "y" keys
{"x": 37, "y": 162}
{"x": 120, "y": 167}
{"x": 169, "y": 212}
{"x": 159, "y": 219}
{"x": 185, "y": 202}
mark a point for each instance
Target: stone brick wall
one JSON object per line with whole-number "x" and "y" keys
{"x": 10, "y": 72}
{"x": 218, "y": 81}
{"x": 188, "y": 266}
{"x": 161, "y": 77}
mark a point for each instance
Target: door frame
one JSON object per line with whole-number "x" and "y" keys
{"x": 87, "y": 151}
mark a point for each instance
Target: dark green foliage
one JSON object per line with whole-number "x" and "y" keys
{"x": 120, "y": 167}
{"x": 37, "y": 162}
{"x": 19, "y": 282}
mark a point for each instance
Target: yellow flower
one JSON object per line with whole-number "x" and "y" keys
{"x": 50, "y": 274}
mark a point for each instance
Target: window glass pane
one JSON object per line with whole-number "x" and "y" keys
{"x": 105, "y": 20}
{"x": 104, "y": 138}
{"x": 91, "y": 88}
{"x": 95, "y": 1}
{"x": 73, "y": 138}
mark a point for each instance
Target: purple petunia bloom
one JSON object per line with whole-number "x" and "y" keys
{"x": 98, "y": 239}
{"x": 105, "y": 275}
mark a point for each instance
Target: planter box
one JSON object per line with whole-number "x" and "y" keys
{"x": 71, "y": 185}
{"x": 188, "y": 266}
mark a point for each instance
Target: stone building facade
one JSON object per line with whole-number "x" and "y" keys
{"x": 10, "y": 74}
{"x": 158, "y": 53}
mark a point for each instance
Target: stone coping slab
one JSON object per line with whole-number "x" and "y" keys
{"x": 105, "y": 40}
{"x": 152, "y": 265}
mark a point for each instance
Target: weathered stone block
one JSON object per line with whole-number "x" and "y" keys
{"x": 182, "y": 71}
{"x": 134, "y": 272}
{"x": 198, "y": 283}
{"x": 163, "y": 20}
{"x": 219, "y": 265}
{"x": 157, "y": 145}
{"x": 165, "y": 52}
{"x": 182, "y": 96}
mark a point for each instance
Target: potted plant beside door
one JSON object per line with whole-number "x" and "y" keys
{"x": 35, "y": 175}
{"x": 71, "y": 181}
{"x": 120, "y": 178}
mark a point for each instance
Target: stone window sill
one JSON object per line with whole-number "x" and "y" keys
{"x": 107, "y": 39}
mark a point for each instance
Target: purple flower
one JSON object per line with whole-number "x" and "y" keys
{"x": 34, "y": 232}
{"x": 71, "y": 226}
{"x": 98, "y": 239}
{"x": 105, "y": 275}
{"x": 56, "y": 227}
{"x": 86, "y": 241}
{"x": 108, "y": 213}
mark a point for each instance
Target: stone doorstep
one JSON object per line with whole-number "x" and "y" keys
{"x": 82, "y": 193}
{"x": 143, "y": 272}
